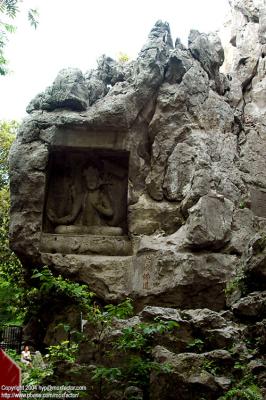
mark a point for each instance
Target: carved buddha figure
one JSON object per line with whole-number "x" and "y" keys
{"x": 91, "y": 209}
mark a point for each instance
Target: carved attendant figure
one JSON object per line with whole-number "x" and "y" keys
{"x": 91, "y": 209}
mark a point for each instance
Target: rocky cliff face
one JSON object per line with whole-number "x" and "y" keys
{"x": 195, "y": 212}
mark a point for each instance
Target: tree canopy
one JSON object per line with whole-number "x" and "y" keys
{"x": 10, "y": 268}
{"x": 8, "y": 12}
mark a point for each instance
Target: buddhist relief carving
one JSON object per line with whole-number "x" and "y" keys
{"x": 87, "y": 193}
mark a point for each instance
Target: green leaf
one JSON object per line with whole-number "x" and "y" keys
{"x": 33, "y": 15}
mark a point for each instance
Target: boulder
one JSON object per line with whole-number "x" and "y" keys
{"x": 209, "y": 222}
{"x": 208, "y": 50}
{"x": 185, "y": 382}
{"x": 255, "y": 260}
{"x": 68, "y": 91}
{"x": 251, "y": 306}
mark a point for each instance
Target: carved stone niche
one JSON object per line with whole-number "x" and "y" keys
{"x": 85, "y": 209}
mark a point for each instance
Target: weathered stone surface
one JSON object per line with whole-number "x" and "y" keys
{"x": 209, "y": 51}
{"x": 186, "y": 382}
{"x": 178, "y": 64}
{"x": 108, "y": 277}
{"x": 147, "y": 180}
{"x": 216, "y": 331}
{"x": 86, "y": 244}
{"x": 255, "y": 259}
{"x": 148, "y": 216}
{"x": 179, "y": 171}
{"x": 68, "y": 91}
{"x": 250, "y": 9}
{"x": 258, "y": 199}
{"x": 109, "y": 71}
{"x": 242, "y": 229}
{"x": 205, "y": 319}
{"x": 177, "y": 342}
{"x": 252, "y": 156}
{"x": 251, "y": 306}
{"x": 178, "y": 153}
{"x": 182, "y": 279}
{"x": 209, "y": 222}
{"x": 150, "y": 312}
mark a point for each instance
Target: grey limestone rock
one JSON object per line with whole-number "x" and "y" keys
{"x": 251, "y": 306}
{"x": 68, "y": 91}
{"x": 148, "y": 216}
{"x": 216, "y": 330}
{"x": 177, "y": 156}
{"x": 249, "y": 8}
{"x": 209, "y": 222}
{"x": 205, "y": 318}
{"x": 242, "y": 229}
{"x": 97, "y": 89}
{"x": 150, "y": 313}
{"x": 179, "y": 171}
{"x": 109, "y": 71}
{"x": 255, "y": 259}
{"x": 189, "y": 382}
{"x": 208, "y": 50}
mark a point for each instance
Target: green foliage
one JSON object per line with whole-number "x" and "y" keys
{"x": 102, "y": 319}
{"x": 242, "y": 204}
{"x": 121, "y": 311}
{"x": 10, "y": 267}
{"x": 244, "y": 385}
{"x": 135, "y": 372}
{"x": 138, "y": 369}
{"x": 11, "y": 311}
{"x": 8, "y": 131}
{"x": 7, "y": 135}
{"x": 239, "y": 366}
{"x": 196, "y": 345}
{"x": 64, "y": 351}
{"x": 132, "y": 338}
{"x": 210, "y": 367}
{"x": 237, "y": 284}
{"x": 251, "y": 392}
{"x": 13, "y": 354}
{"x": 106, "y": 374}
{"x": 9, "y": 7}
{"x": 135, "y": 343}
{"x": 34, "y": 376}
{"x": 60, "y": 286}
{"x": 33, "y": 15}
{"x": 137, "y": 337}
{"x": 30, "y": 375}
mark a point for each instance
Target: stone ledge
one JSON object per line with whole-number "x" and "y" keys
{"x": 107, "y": 276}
{"x": 86, "y": 244}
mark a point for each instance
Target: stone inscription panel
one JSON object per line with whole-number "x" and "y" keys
{"x": 86, "y": 192}
{"x": 258, "y": 202}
